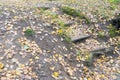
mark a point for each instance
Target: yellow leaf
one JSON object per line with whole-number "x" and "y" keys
{"x": 55, "y": 74}
{"x": 37, "y": 57}
{"x": 102, "y": 76}
{"x": 56, "y": 55}
{"x": 21, "y": 65}
{"x": 1, "y": 65}
{"x": 89, "y": 78}
{"x": 60, "y": 31}
{"x": 85, "y": 69}
{"x": 48, "y": 51}
{"x": 15, "y": 72}
{"x": 18, "y": 72}
{"x": 15, "y": 17}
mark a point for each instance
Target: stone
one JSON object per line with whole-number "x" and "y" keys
{"x": 98, "y": 51}
{"x": 79, "y": 38}
{"x": 69, "y": 23}
{"x": 103, "y": 50}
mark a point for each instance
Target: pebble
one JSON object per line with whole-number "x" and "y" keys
{"x": 46, "y": 34}
{"x": 62, "y": 39}
{"x": 7, "y": 65}
{"x": 111, "y": 61}
{"x": 41, "y": 39}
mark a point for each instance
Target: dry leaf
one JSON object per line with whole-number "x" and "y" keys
{"x": 85, "y": 69}
{"x": 114, "y": 77}
{"x": 70, "y": 72}
{"x": 15, "y": 17}
{"x": 89, "y": 78}
{"x": 52, "y": 68}
{"x": 60, "y": 31}
{"x": 36, "y": 57}
{"x": 55, "y": 74}
{"x": 1, "y": 65}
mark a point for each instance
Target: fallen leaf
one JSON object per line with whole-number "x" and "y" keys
{"x": 55, "y": 74}
{"x": 52, "y": 68}
{"x": 1, "y": 65}
{"x": 85, "y": 69}
{"x": 60, "y": 31}
{"x": 37, "y": 57}
{"x": 15, "y": 17}
{"x": 114, "y": 77}
{"x": 70, "y": 72}
{"x": 89, "y": 78}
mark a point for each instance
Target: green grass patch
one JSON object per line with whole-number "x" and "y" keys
{"x": 79, "y": 56}
{"x": 29, "y": 32}
{"x": 114, "y": 4}
{"x": 61, "y": 24}
{"x": 89, "y": 59}
{"x": 114, "y": 1}
{"x": 67, "y": 38}
{"x": 44, "y": 8}
{"x": 113, "y": 31}
{"x": 74, "y": 13}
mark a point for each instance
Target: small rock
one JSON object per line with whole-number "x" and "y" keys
{"x": 69, "y": 23}
{"x": 79, "y": 38}
{"x": 103, "y": 50}
{"x": 111, "y": 61}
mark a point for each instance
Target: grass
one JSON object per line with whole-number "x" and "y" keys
{"x": 72, "y": 12}
{"x": 67, "y": 38}
{"x": 60, "y": 23}
{"x": 62, "y": 30}
{"x": 29, "y": 32}
{"x": 114, "y": 1}
{"x": 101, "y": 34}
{"x": 61, "y": 27}
{"x": 89, "y": 59}
{"x": 63, "y": 33}
{"x": 52, "y": 15}
{"x": 113, "y": 31}
{"x": 43, "y": 9}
